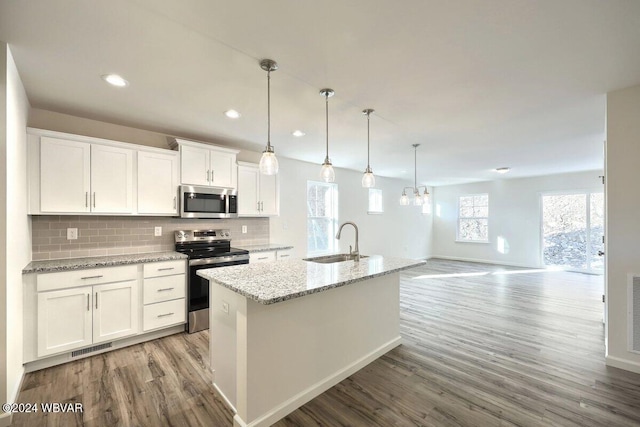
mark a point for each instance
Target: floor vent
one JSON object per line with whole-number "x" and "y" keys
{"x": 90, "y": 349}
{"x": 634, "y": 312}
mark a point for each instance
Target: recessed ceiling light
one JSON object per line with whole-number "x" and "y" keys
{"x": 232, "y": 114}
{"x": 298, "y": 133}
{"x": 115, "y": 80}
{"x": 502, "y": 170}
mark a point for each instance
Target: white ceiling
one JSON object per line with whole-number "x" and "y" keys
{"x": 479, "y": 83}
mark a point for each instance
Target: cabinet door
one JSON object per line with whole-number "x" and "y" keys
{"x": 223, "y": 169}
{"x": 111, "y": 179}
{"x": 64, "y": 175}
{"x": 64, "y": 320}
{"x": 115, "y": 310}
{"x": 269, "y": 195}
{"x": 248, "y": 177}
{"x": 194, "y": 165}
{"x": 157, "y": 183}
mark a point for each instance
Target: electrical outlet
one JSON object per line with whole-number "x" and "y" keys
{"x": 72, "y": 234}
{"x": 244, "y": 229}
{"x": 285, "y": 225}
{"x": 225, "y": 307}
{"x": 157, "y": 231}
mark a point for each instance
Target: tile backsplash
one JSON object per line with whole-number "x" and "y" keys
{"x": 117, "y": 235}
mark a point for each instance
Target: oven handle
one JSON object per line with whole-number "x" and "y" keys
{"x": 218, "y": 260}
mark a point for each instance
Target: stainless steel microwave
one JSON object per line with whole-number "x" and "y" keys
{"x": 208, "y": 202}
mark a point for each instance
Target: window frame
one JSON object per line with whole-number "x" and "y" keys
{"x": 458, "y": 238}
{"x": 333, "y": 219}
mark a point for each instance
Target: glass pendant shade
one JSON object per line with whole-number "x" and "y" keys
{"x": 425, "y": 197}
{"x": 368, "y": 180}
{"x": 326, "y": 173}
{"x": 268, "y": 163}
{"x": 417, "y": 199}
{"x": 404, "y": 200}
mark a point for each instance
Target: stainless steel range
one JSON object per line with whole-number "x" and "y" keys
{"x": 205, "y": 249}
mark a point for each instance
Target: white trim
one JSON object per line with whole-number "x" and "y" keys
{"x": 620, "y": 363}
{"x": 318, "y": 388}
{"x": 483, "y": 261}
{"x": 225, "y": 398}
{"x": 177, "y": 142}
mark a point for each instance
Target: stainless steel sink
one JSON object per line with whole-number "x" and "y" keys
{"x": 329, "y": 259}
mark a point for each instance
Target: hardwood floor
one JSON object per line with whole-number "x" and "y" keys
{"x": 483, "y": 346}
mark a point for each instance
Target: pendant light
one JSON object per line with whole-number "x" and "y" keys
{"x": 368, "y": 179}
{"x": 268, "y": 161}
{"x": 326, "y": 173}
{"x": 418, "y": 199}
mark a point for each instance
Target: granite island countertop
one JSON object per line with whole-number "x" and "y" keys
{"x": 52, "y": 265}
{"x": 272, "y": 282}
{"x": 265, "y": 248}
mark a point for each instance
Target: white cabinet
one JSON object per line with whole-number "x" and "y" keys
{"x": 258, "y": 194}
{"x": 158, "y": 183}
{"x": 164, "y": 295}
{"x": 265, "y": 256}
{"x": 71, "y": 317}
{"x": 203, "y": 164}
{"x": 79, "y": 177}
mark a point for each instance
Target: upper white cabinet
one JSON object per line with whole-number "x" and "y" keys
{"x": 74, "y": 174}
{"x": 158, "y": 183}
{"x": 83, "y": 177}
{"x": 203, "y": 164}
{"x": 258, "y": 194}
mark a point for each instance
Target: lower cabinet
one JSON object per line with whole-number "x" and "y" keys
{"x": 268, "y": 256}
{"x": 72, "y": 310}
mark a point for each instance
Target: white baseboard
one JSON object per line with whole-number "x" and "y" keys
{"x": 627, "y": 365}
{"x": 320, "y": 387}
{"x": 484, "y": 261}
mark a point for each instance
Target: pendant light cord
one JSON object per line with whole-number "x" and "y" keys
{"x": 268, "y": 109}
{"x": 368, "y": 150}
{"x": 326, "y": 100}
{"x": 415, "y": 168}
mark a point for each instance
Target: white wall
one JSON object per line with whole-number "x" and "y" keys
{"x": 623, "y": 223}
{"x": 514, "y": 214}
{"x": 402, "y": 231}
{"x": 15, "y": 224}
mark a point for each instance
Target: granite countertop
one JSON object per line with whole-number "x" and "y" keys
{"x": 50, "y": 266}
{"x": 265, "y": 248}
{"x": 272, "y": 282}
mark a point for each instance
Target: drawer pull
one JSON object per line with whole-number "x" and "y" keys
{"x": 96, "y": 300}
{"x": 92, "y": 277}
{"x": 283, "y": 256}
{"x": 166, "y": 269}
{"x": 165, "y": 289}
{"x": 264, "y": 257}
{"x": 165, "y": 315}
{"x": 88, "y": 304}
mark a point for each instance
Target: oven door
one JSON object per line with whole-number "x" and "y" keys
{"x": 207, "y": 202}
{"x": 199, "y": 286}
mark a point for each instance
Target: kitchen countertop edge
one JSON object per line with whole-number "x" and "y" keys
{"x": 264, "y": 248}
{"x": 70, "y": 264}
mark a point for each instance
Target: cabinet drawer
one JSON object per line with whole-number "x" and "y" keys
{"x": 164, "y": 288}
{"x": 262, "y": 257}
{"x": 93, "y": 276}
{"x": 164, "y": 268}
{"x": 284, "y": 254}
{"x": 164, "y": 314}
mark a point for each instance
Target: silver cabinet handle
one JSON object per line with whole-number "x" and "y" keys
{"x": 94, "y": 199}
{"x": 258, "y": 206}
{"x": 174, "y": 201}
{"x": 212, "y": 176}
{"x": 86, "y": 199}
{"x": 208, "y": 174}
{"x": 96, "y": 300}
{"x": 283, "y": 256}
{"x": 92, "y": 277}
{"x": 165, "y": 289}
{"x": 165, "y": 315}
{"x": 88, "y": 303}
{"x": 167, "y": 268}
{"x": 264, "y": 257}
{"x": 262, "y": 206}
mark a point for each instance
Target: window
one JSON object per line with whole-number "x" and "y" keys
{"x": 375, "y": 201}
{"x": 322, "y": 217}
{"x": 473, "y": 217}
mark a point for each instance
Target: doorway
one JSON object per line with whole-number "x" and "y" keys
{"x": 573, "y": 231}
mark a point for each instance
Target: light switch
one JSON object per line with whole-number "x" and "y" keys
{"x": 244, "y": 229}
{"x": 225, "y": 307}
{"x": 157, "y": 231}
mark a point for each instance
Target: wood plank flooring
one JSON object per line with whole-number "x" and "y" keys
{"x": 482, "y": 346}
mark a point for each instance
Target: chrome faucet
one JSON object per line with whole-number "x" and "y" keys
{"x": 357, "y": 251}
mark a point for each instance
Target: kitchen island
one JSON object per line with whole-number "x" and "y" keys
{"x": 283, "y": 332}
